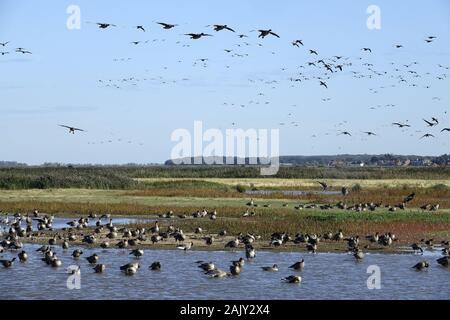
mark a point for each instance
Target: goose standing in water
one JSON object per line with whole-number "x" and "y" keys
{"x": 92, "y": 259}
{"x": 7, "y": 263}
{"x": 186, "y": 247}
{"x": 155, "y": 266}
{"x": 99, "y": 268}
{"x": 250, "y": 252}
{"x": 23, "y": 256}
{"x": 358, "y": 254}
{"x": 239, "y": 262}
{"x": 235, "y": 270}
{"x": 137, "y": 253}
{"x": 416, "y": 248}
{"x": 444, "y": 261}
{"x": 292, "y": 279}
{"x": 206, "y": 266}
{"x": 423, "y": 265}
{"x": 273, "y": 268}
{"x": 299, "y": 265}
{"x": 217, "y": 273}
{"x": 77, "y": 253}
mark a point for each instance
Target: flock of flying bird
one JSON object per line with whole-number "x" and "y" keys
{"x": 319, "y": 68}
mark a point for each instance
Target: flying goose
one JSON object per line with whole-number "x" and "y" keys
{"x": 3, "y": 44}
{"x": 105, "y": 25}
{"x": 167, "y": 25}
{"x": 219, "y": 27}
{"x": 71, "y": 129}
{"x": 401, "y": 125}
{"x": 196, "y": 36}
{"x": 265, "y": 33}
{"x": 296, "y": 43}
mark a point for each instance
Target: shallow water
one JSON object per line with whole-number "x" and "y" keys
{"x": 61, "y": 222}
{"x": 290, "y": 192}
{"x": 326, "y": 276}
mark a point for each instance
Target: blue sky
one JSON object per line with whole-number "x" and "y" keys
{"x": 58, "y": 83}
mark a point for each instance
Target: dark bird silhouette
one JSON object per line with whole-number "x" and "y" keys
{"x": 409, "y": 198}
{"x": 3, "y": 44}
{"x": 105, "y": 25}
{"x": 265, "y": 33}
{"x": 167, "y": 25}
{"x": 428, "y": 135}
{"x": 345, "y": 133}
{"x": 445, "y": 129}
{"x": 4, "y": 52}
{"x": 220, "y": 27}
{"x": 367, "y": 49}
{"x": 430, "y": 124}
{"x": 313, "y": 52}
{"x": 296, "y": 43}
{"x": 369, "y": 133}
{"x": 196, "y": 36}
{"x": 401, "y": 125}
{"x": 140, "y": 28}
{"x": 71, "y": 129}
{"x": 323, "y": 184}
{"x": 21, "y": 50}
{"x": 323, "y": 84}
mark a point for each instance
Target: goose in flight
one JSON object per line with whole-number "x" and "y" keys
{"x": 242, "y": 36}
{"x": 21, "y": 50}
{"x": 427, "y": 135}
{"x": 323, "y": 184}
{"x": 265, "y": 33}
{"x": 196, "y": 36}
{"x": 430, "y": 124}
{"x": 313, "y": 52}
{"x": 323, "y": 84}
{"x": 167, "y": 26}
{"x": 105, "y": 25}
{"x": 401, "y": 125}
{"x": 4, "y": 52}
{"x": 220, "y": 27}
{"x": 369, "y": 133}
{"x": 140, "y": 28}
{"x": 367, "y": 49}
{"x": 3, "y": 44}
{"x": 71, "y": 129}
{"x": 296, "y": 43}
{"x": 445, "y": 129}
{"x": 345, "y": 133}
